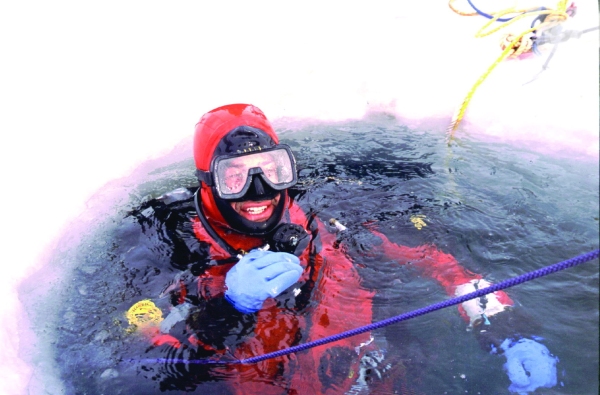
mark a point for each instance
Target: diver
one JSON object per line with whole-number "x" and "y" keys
{"x": 257, "y": 274}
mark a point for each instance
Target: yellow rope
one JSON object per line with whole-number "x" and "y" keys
{"x": 553, "y": 15}
{"x": 511, "y": 46}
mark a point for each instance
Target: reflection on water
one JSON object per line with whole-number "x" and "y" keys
{"x": 499, "y": 210}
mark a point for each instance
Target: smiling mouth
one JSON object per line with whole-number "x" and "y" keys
{"x": 255, "y": 210}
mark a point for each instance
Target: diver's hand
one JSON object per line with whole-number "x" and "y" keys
{"x": 259, "y": 275}
{"x": 529, "y": 365}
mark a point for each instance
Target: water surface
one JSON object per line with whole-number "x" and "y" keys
{"x": 500, "y": 210}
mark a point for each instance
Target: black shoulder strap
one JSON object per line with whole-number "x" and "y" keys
{"x": 209, "y": 229}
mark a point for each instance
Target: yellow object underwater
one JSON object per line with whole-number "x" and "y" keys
{"x": 418, "y": 221}
{"x": 144, "y": 314}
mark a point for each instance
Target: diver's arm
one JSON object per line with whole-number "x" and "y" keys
{"x": 455, "y": 279}
{"x": 499, "y": 327}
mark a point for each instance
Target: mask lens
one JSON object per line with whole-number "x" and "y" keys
{"x": 277, "y": 167}
{"x": 232, "y": 174}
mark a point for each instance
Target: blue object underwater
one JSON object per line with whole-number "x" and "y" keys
{"x": 529, "y": 365}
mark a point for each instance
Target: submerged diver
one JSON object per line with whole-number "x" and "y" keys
{"x": 256, "y": 274}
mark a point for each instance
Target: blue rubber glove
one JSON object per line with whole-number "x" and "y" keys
{"x": 529, "y": 365}
{"x": 258, "y": 276}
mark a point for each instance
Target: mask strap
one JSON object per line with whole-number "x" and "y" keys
{"x": 205, "y": 177}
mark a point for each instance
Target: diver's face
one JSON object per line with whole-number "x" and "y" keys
{"x": 236, "y": 174}
{"x": 256, "y": 211}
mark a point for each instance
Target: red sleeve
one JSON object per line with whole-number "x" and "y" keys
{"x": 432, "y": 262}
{"x": 455, "y": 279}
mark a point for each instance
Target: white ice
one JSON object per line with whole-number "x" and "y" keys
{"x": 89, "y": 90}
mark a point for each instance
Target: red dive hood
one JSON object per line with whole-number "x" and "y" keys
{"x": 212, "y": 127}
{"x": 215, "y": 124}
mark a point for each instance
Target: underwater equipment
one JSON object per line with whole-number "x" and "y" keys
{"x": 290, "y": 238}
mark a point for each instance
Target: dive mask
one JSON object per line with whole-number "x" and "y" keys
{"x": 232, "y": 175}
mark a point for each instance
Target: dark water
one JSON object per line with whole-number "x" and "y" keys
{"x": 501, "y": 211}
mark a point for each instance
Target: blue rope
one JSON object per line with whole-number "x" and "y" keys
{"x": 488, "y": 16}
{"x": 406, "y": 316}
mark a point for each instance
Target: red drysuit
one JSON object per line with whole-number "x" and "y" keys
{"x": 328, "y": 298}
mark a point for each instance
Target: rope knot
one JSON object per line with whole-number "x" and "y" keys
{"x": 518, "y": 45}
